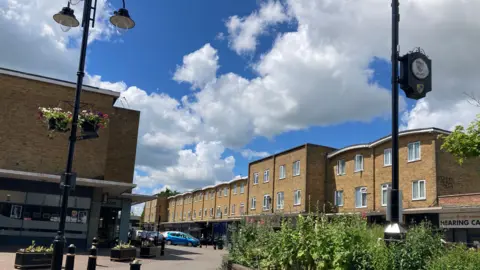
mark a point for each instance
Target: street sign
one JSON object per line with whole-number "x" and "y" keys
{"x": 415, "y": 74}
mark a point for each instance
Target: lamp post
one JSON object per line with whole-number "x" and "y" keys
{"x": 67, "y": 19}
{"x": 416, "y": 81}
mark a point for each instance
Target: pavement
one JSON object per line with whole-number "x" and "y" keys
{"x": 176, "y": 257}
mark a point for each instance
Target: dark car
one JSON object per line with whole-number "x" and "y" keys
{"x": 155, "y": 237}
{"x": 206, "y": 241}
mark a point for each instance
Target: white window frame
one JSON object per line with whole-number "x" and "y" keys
{"x": 419, "y": 198}
{"x": 242, "y": 188}
{"x": 234, "y": 188}
{"x": 383, "y": 197}
{"x": 267, "y": 199}
{"x": 280, "y": 200}
{"x": 219, "y": 213}
{"x": 242, "y": 206}
{"x": 419, "y": 151}
{"x": 362, "y": 190}
{"x": 297, "y": 197}
{"x": 225, "y": 191}
{"x": 341, "y": 169}
{"x": 255, "y": 178}
{"x": 233, "y": 210}
{"x": 336, "y": 198}
{"x": 253, "y": 203}
{"x": 283, "y": 172}
{"x": 357, "y": 158}
{"x": 266, "y": 176}
{"x": 385, "y": 162}
{"x": 200, "y": 212}
{"x": 211, "y": 212}
{"x": 205, "y": 212}
{"x": 225, "y": 211}
{"x": 296, "y": 168}
{"x": 194, "y": 214}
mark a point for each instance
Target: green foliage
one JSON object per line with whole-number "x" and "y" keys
{"x": 457, "y": 258}
{"x": 59, "y": 118}
{"x": 123, "y": 245}
{"x": 97, "y": 119}
{"x": 168, "y": 192}
{"x": 344, "y": 242}
{"x": 463, "y": 143}
{"x": 37, "y": 249}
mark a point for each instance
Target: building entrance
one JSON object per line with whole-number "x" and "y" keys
{"x": 109, "y": 226}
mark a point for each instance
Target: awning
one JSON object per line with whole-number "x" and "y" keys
{"x": 137, "y": 198}
{"x": 113, "y": 189}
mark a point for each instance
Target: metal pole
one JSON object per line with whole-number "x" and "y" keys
{"x": 59, "y": 242}
{"x": 394, "y": 193}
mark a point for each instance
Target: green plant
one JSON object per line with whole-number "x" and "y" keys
{"x": 123, "y": 245}
{"x": 33, "y": 248}
{"x": 457, "y": 257}
{"x": 55, "y": 118}
{"x": 97, "y": 119}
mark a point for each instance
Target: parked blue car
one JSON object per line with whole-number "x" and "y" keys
{"x": 180, "y": 238}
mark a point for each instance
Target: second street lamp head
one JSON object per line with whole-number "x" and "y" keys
{"x": 66, "y": 19}
{"x": 121, "y": 19}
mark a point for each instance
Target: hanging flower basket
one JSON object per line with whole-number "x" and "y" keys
{"x": 55, "y": 118}
{"x": 91, "y": 122}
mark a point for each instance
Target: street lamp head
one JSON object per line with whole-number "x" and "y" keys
{"x": 121, "y": 19}
{"x": 66, "y": 19}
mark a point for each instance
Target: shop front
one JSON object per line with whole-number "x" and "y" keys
{"x": 461, "y": 227}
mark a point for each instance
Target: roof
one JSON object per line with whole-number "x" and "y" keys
{"x": 208, "y": 187}
{"x": 387, "y": 138}
{"x": 73, "y": 85}
{"x": 287, "y": 151}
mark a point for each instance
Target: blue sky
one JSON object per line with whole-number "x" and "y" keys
{"x": 216, "y": 81}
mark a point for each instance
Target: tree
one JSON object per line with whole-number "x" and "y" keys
{"x": 463, "y": 143}
{"x": 168, "y": 192}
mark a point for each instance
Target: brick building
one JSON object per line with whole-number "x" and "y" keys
{"x": 31, "y": 163}
{"x": 156, "y": 212}
{"x": 355, "y": 180}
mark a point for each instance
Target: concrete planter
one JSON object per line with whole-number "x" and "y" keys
{"x": 124, "y": 254}
{"x": 24, "y": 260}
{"x": 148, "y": 252}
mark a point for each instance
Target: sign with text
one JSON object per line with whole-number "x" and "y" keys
{"x": 460, "y": 220}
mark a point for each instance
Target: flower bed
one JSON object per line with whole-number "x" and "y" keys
{"x": 123, "y": 252}
{"x": 33, "y": 257}
{"x": 148, "y": 250}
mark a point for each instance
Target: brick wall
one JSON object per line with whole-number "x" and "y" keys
{"x": 316, "y": 177}
{"x": 26, "y": 146}
{"x": 238, "y": 198}
{"x": 197, "y": 205}
{"x": 472, "y": 199}
{"x": 209, "y": 203}
{"x": 262, "y": 188}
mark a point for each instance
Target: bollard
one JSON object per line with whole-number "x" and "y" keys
{"x": 135, "y": 265}
{"x": 69, "y": 264}
{"x": 162, "y": 248}
{"x": 92, "y": 259}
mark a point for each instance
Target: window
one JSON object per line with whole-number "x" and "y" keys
{"x": 360, "y": 197}
{"x": 296, "y": 168}
{"x": 255, "y": 178}
{"x": 341, "y": 167}
{"x": 266, "y": 176}
{"x": 235, "y": 189}
{"x": 282, "y": 172}
{"x": 280, "y": 200}
{"x": 242, "y": 209}
{"x": 219, "y": 211}
{"x": 414, "y": 151}
{"x": 418, "y": 190}
{"x": 211, "y": 212}
{"x": 200, "y": 212}
{"x": 358, "y": 163}
{"x": 212, "y": 195}
{"x": 266, "y": 202}
{"x": 253, "y": 203}
{"x": 225, "y": 192}
{"x": 233, "y": 210}
{"x": 387, "y": 157}
{"x": 205, "y": 212}
{"x": 242, "y": 188}
{"x": 384, "y": 194}
{"x": 194, "y": 214}
{"x": 225, "y": 211}
{"x": 297, "y": 197}
{"x": 219, "y": 192}
{"x": 339, "y": 198}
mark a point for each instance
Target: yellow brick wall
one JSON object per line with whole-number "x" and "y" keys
{"x": 209, "y": 203}
{"x": 316, "y": 178}
{"x": 26, "y": 146}
{"x": 290, "y": 183}
{"x": 223, "y": 201}
{"x": 197, "y": 207}
{"x": 238, "y": 198}
{"x": 260, "y": 189}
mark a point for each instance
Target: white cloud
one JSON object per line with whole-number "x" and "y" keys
{"x": 244, "y": 31}
{"x": 137, "y": 209}
{"x": 251, "y": 154}
{"x": 199, "y": 67}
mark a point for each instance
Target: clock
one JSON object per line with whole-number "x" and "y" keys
{"x": 420, "y": 69}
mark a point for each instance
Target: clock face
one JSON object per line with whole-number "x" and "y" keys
{"x": 420, "y": 68}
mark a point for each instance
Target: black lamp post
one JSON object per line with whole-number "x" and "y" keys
{"x": 67, "y": 19}
{"x": 416, "y": 81}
